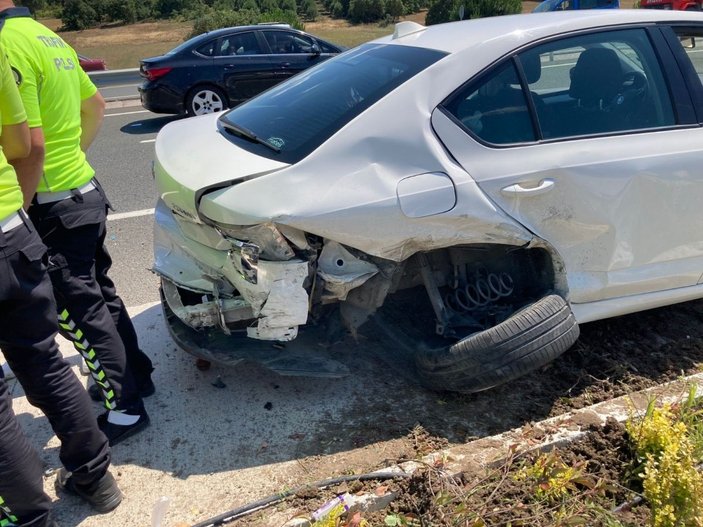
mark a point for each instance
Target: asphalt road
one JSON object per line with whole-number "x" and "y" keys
{"x": 122, "y": 156}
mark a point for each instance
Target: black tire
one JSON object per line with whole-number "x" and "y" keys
{"x": 529, "y": 339}
{"x": 202, "y": 100}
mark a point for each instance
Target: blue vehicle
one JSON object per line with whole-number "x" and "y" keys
{"x": 569, "y": 5}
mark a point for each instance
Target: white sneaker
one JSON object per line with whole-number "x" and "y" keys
{"x": 7, "y": 372}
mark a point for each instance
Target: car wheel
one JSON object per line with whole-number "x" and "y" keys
{"x": 205, "y": 99}
{"x": 526, "y": 341}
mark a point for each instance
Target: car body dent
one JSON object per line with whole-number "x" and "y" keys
{"x": 336, "y": 194}
{"x": 277, "y": 300}
{"x": 413, "y": 181}
{"x": 180, "y": 259}
{"x": 593, "y": 214}
{"x": 361, "y": 211}
{"x": 342, "y": 271}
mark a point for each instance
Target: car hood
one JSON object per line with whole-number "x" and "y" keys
{"x": 183, "y": 174}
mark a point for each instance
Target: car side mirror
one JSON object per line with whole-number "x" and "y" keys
{"x": 315, "y": 49}
{"x": 688, "y": 42}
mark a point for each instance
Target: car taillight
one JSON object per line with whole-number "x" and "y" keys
{"x": 154, "y": 73}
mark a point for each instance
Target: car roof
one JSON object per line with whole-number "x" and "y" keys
{"x": 227, "y": 30}
{"x": 525, "y": 28}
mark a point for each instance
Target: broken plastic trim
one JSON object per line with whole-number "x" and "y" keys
{"x": 220, "y": 312}
{"x": 249, "y": 259}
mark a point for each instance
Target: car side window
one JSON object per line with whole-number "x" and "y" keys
{"x": 325, "y": 48}
{"x": 495, "y": 108}
{"x": 238, "y": 44}
{"x": 283, "y": 42}
{"x": 692, "y": 42}
{"x": 207, "y": 49}
{"x": 302, "y": 44}
{"x": 597, "y": 83}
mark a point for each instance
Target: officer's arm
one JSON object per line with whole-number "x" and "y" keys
{"x": 15, "y": 140}
{"x": 14, "y": 131}
{"x": 92, "y": 113}
{"x": 30, "y": 169}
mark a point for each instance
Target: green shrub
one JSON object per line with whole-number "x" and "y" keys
{"x": 169, "y": 8}
{"x": 336, "y": 9}
{"x": 78, "y": 14}
{"x": 395, "y": 9}
{"x": 361, "y": 11}
{"x": 308, "y": 9}
{"x": 668, "y": 446}
{"x": 287, "y": 5}
{"x": 127, "y": 11}
{"x": 33, "y": 5}
{"x": 448, "y": 10}
{"x": 218, "y": 18}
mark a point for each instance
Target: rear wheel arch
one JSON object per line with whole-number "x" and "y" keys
{"x": 467, "y": 344}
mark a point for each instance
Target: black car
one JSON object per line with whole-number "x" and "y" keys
{"x": 223, "y": 68}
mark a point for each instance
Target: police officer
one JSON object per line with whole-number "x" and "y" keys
{"x": 27, "y": 331}
{"x": 69, "y": 209}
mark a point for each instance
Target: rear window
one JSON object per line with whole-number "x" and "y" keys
{"x": 295, "y": 117}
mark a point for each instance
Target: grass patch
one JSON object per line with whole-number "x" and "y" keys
{"x": 123, "y": 46}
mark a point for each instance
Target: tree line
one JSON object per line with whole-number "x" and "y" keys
{"x": 211, "y": 14}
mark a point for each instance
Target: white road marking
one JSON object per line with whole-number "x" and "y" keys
{"x": 126, "y": 113}
{"x": 133, "y": 214}
{"x": 148, "y": 141}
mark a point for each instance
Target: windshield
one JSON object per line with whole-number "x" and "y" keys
{"x": 299, "y": 115}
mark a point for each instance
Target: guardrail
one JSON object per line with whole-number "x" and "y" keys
{"x": 113, "y": 77}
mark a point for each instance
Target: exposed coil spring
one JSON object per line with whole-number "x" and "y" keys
{"x": 482, "y": 292}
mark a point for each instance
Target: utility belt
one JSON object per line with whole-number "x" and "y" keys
{"x": 12, "y": 221}
{"x": 42, "y": 198}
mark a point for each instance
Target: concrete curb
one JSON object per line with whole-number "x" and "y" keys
{"x": 542, "y": 436}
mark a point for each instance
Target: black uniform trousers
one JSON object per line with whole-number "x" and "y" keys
{"x": 91, "y": 314}
{"x": 27, "y": 331}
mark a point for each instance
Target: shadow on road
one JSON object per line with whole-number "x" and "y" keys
{"x": 149, "y": 126}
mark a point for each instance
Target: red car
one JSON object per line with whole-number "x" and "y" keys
{"x": 89, "y": 64}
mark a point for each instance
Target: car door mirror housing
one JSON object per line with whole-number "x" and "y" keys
{"x": 315, "y": 48}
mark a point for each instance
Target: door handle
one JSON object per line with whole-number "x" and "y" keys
{"x": 518, "y": 189}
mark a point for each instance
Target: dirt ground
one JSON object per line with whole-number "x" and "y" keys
{"x": 612, "y": 358}
{"x": 602, "y": 493}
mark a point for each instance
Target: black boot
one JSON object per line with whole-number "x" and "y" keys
{"x": 104, "y": 495}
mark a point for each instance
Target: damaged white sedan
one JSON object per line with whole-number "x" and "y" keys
{"x": 477, "y": 188}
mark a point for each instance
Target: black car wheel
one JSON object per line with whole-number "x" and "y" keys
{"x": 526, "y": 341}
{"x": 205, "y": 99}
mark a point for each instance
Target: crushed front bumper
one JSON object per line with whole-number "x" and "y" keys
{"x": 303, "y": 357}
{"x": 224, "y": 305}
{"x": 212, "y": 281}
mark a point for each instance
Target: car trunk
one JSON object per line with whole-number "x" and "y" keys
{"x": 183, "y": 177}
